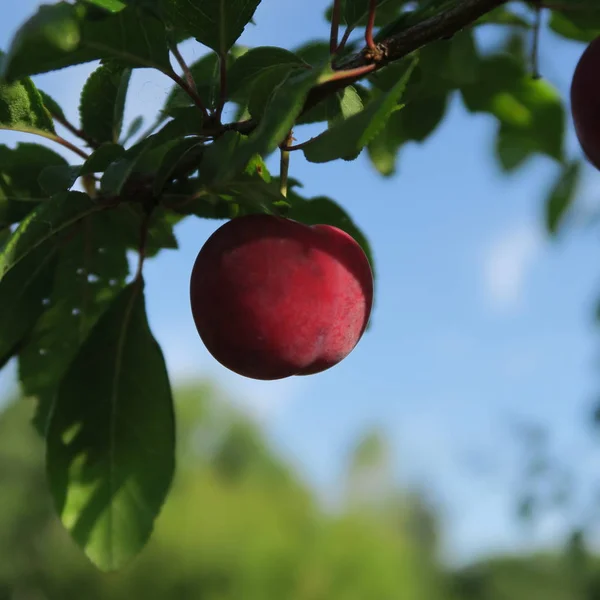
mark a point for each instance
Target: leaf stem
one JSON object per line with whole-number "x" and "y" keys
{"x": 183, "y": 84}
{"x": 370, "y": 26}
{"x": 345, "y": 38}
{"x": 184, "y": 67}
{"x": 51, "y": 136}
{"x": 74, "y": 130}
{"x": 222, "y": 86}
{"x": 335, "y": 26}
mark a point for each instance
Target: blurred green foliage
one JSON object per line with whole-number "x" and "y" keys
{"x": 241, "y": 524}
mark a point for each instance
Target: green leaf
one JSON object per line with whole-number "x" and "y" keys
{"x": 22, "y": 107}
{"x": 530, "y": 112}
{"x": 91, "y": 269}
{"x": 102, "y": 157}
{"x": 110, "y": 5}
{"x": 579, "y": 24}
{"x": 285, "y": 105}
{"x": 464, "y": 58}
{"x": 111, "y": 437}
{"x": 103, "y": 102}
{"x": 383, "y": 148}
{"x": 215, "y": 23}
{"x": 60, "y": 35}
{"x": 258, "y": 63}
{"x": 59, "y": 178}
{"x": 503, "y": 16}
{"x": 562, "y": 195}
{"x": 47, "y": 220}
{"x": 22, "y": 293}
{"x": 133, "y": 128}
{"x": 346, "y": 139}
{"x": 52, "y": 106}
{"x": 185, "y": 151}
{"x": 126, "y": 220}
{"x": 20, "y": 168}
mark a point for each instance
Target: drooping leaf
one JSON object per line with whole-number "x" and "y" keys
{"x": 91, "y": 269}
{"x": 47, "y": 220}
{"x": 257, "y": 63}
{"x": 57, "y": 179}
{"x": 215, "y": 23}
{"x": 61, "y": 35}
{"x": 22, "y": 107}
{"x": 383, "y": 148}
{"x": 577, "y": 24}
{"x": 20, "y": 168}
{"x": 52, "y": 105}
{"x": 562, "y": 195}
{"x": 101, "y": 158}
{"x": 103, "y": 102}
{"x": 110, "y": 458}
{"x": 347, "y": 138}
{"x": 185, "y": 151}
{"x": 22, "y": 293}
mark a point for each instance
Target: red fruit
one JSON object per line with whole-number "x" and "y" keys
{"x": 585, "y": 101}
{"x": 272, "y": 297}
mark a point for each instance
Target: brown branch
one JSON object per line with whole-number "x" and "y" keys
{"x": 441, "y": 26}
{"x": 74, "y": 130}
{"x": 335, "y": 26}
{"x": 184, "y": 67}
{"x": 190, "y": 92}
{"x": 345, "y": 37}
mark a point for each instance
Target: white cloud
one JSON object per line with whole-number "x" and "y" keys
{"x": 507, "y": 264}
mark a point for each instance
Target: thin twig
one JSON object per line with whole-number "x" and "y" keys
{"x": 535, "y": 54}
{"x": 345, "y": 38}
{"x": 222, "y": 86}
{"x": 289, "y": 148}
{"x": 335, "y": 26}
{"x": 184, "y": 68}
{"x": 74, "y": 130}
{"x": 348, "y": 74}
{"x": 190, "y": 92}
{"x": 371, "y": 45}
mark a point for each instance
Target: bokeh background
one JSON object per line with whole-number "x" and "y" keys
{"x": 409, "y": 465}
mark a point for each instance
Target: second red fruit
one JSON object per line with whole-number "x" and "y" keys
{"x": 272, "y": 297}
{"x": 585, "y": 102}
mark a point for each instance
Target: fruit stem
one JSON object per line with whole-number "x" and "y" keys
{"x": 335, "y": 26}
{"x": 284, "y": 164}
{"x": 142, "y": 245}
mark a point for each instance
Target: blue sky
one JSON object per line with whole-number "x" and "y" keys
{"x": 479, "y": 318}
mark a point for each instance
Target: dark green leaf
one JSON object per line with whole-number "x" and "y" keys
{"x": 133, "y": 128}
{"x": 110, "y": 5}
{"x": 503, "y": 16}
{"x": 283, "y": 109}
{"x": 257, "y": 63}
{"x": 58, "y": 179}
{"x": 215, "y": 23}
{"x": 347, "y": 138}
{"x": 464, "y": 58}
{"x": 22, "y": 108}
{"x": 562, "y": 195}
{"x": 22, "y": 293}
{"x": 185, "y": 152}
{"x": 103, "y": 102}
{"x": 60, "y": 35}
{"x": 46, "y": 221}
{"x": 19, "y": 171}
{"x": 52, "y": 106}
{"x": 111, "y": 437}
{"x": 101, "y": 158}
{"x": 578, "y": 24}
{"x": 91, "y": 269}
{"x": 356, "y": 11}
{"x": 383, "y": 148}
{"x": 314, "y": 53}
